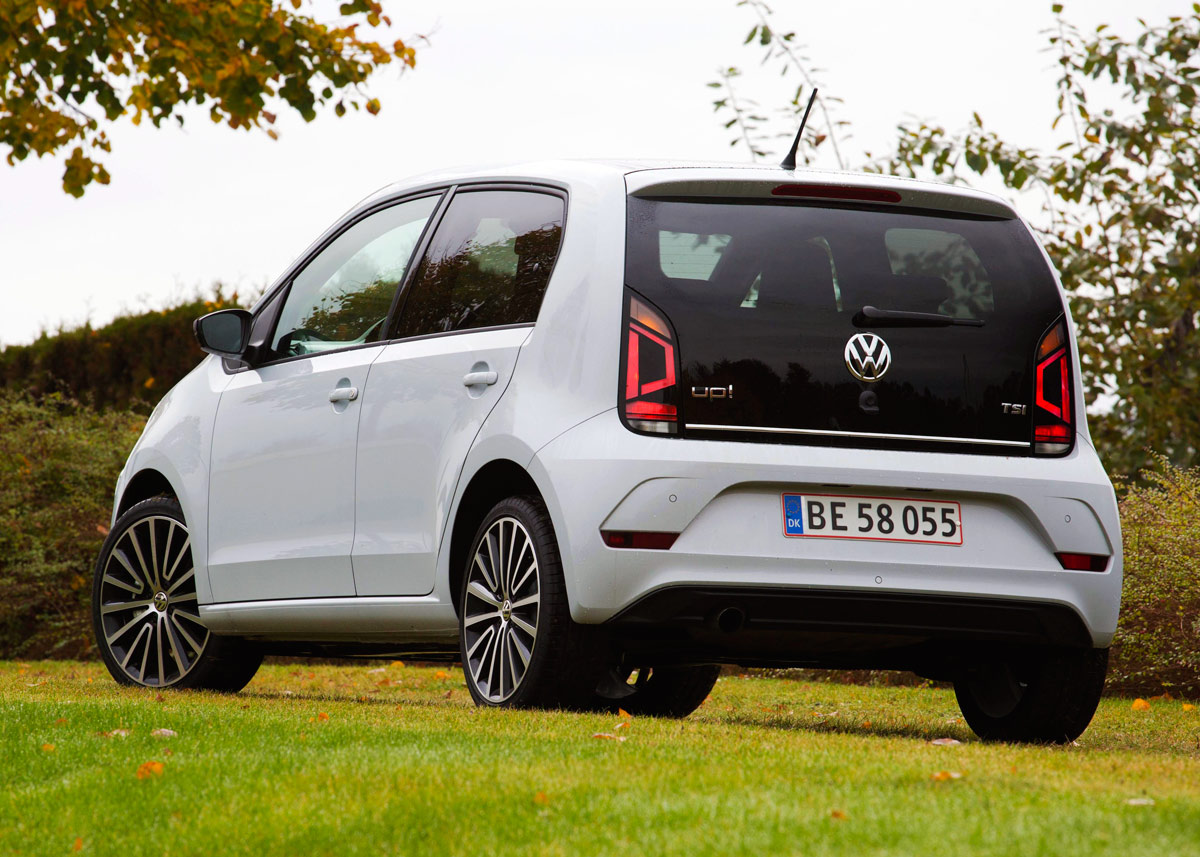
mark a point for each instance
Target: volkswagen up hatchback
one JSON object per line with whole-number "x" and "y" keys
{"x": 595, "y": 429}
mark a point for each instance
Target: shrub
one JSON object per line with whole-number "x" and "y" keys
{"x": 130, "y": 362}
{"x": 1157, "y": 647}
{"x": 59, "y": 462}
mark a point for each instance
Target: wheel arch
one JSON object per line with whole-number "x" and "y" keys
{"x": 494, "y": 481}
{"x": 145, "y": 484}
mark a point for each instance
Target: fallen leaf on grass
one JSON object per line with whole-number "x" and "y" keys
{"x": 146, "y": 770}
{"x": 78, "y": 846}
{"x": 609, "y": 736}
{"x": 49, "y": 748}
{"x": 441, "y": 674}
{"x": 447, "y": 694}
{"x": 116, "y": 733}
{"x": 1140, "y": 801}
{"x": 621, "y": 712}
{"x": 942, "y": 776}
{"x": 837, "y": 815}
{"x": 164, "y": 733}
{"x": 60, "y": 721}
{"x": 945, "y": 742}
{"x": 377, "y": 671}
{"x": 1140, "y": 704}
{"x": 399, "y": 664}
{"x": 542, "y": 799}
{"x": 1187, "y": 706}
{"x": 322, "y": 716}
{"x": 1162, "y": 697}
{"x": 383, "y": 683}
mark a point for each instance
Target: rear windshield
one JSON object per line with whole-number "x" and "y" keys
{"x": 765, "y": 295}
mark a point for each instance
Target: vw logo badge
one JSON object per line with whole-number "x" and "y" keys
{"x": 867, "y": 357}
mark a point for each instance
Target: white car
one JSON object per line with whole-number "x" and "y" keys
{"x": 597, "y": 428}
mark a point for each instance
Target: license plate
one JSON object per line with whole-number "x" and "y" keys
{"x": 889, "y": 519}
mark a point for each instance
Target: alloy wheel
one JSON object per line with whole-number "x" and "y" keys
{"x": 500, "y": 610}
{"x": 148, "y": 609}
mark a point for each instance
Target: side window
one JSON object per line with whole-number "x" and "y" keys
{"x": 342, "y": 297}
{"x": 948, "y": 259}
{"x": 488, "y": 263}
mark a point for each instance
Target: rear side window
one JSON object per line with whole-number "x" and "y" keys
{"x": 488, "y": 263}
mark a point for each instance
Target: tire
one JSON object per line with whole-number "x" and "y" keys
{"x": 657, "y": 691}
{"x": 518, "y": 644}
{"x": 144, "y": 608}
{"x": 1046, "y": 698}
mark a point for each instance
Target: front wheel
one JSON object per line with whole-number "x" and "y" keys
{"x": 145, "y": 611}
{"x": 1048, "y": 697}
{"x": 518, "y": 643}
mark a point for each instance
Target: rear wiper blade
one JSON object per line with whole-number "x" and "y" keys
{"x": 870, "y": 316}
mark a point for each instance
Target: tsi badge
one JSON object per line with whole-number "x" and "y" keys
{"x": 712, "y": 392}
{"x": 867, "y": 356}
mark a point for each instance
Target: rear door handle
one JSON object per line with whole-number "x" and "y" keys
{"x": 343, "y": 394}
{"x": 473, "y": 378}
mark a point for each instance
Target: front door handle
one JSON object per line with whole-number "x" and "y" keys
{"x": 473, "y": 378}
{"x": 343, "y": 394}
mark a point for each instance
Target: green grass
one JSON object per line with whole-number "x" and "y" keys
{"x": 404, "y": 764}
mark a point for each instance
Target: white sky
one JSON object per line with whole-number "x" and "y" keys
{"x": 523, "y": 79}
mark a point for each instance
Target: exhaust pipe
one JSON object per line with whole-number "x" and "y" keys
{"x": 730, "y": 619}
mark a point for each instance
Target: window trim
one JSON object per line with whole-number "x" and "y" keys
{"x": 473, "y": 187}
{"x": 267, "y": 304}
{"x": 446, "y": 193}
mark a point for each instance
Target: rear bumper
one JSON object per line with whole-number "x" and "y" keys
{"x": 723, "y": 498}
{"x": 835, "y": 628}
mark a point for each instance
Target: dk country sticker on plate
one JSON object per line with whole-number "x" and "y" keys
{"x": 892, "y": 519}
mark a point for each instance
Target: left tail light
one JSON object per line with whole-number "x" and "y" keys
{"x": 649, "y": 369}
{"x": 1053, "y": 419}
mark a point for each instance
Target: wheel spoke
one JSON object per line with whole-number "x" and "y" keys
{"x": 487, "y": 575}
{"x": 196, "y": 647}
{"x": 480, "y": 617}
{"x": 133, "y": 647}
{"x": 522, "y": 651}
{"x": 490, "y": 634}
{"x": 162, "y": 670}
{"x": 119, "y": 556}
{"x": 137, "y": 549}
{"x": 492, "y": 563}
{"x": 146, "y": 653}
{"x": 175, "y": 652}
{"x": 524, "y": 626}
{"x": 191, "y": 596}
{"x": 501, "y": 568}
{"x": 510, "y": 570}
{"x": 184, "y": 578}
{"x": 526, "y": 601}
{"x": 120, "y": 584}
{"x": 479, "y": 591}
{"x": 154, "y": 554}
{"x": 532, "y": 568}
{"x": 179, "y": 555}
{"x": 512, "y": 666}
{"x": 105, "y": 609}
{"x": 116, "y": 635}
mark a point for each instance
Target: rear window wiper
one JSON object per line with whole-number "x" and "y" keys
{"x": 870, "y": 316}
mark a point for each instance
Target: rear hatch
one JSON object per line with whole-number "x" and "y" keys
{"x": 847, "y": 323}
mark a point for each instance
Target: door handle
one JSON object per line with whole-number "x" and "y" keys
{"x": 343, "y": 394}
{"x": 473, "y": 378}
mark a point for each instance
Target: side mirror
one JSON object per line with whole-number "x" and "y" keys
{"x": 225, "y": 333}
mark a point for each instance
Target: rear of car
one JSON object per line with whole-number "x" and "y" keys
{"x": 849, "y": 432}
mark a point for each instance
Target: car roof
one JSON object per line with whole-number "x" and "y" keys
{"x": 700, "y": 178}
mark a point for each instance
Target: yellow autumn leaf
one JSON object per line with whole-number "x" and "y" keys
{"x": 441, "y": 674}
{"x": 1187, "y": 706}
{"x": 78, "y": 846}
{"x": 1140, "y": 704}
{"x": 541, "y": 798}
{"x": 943, "y": 776}
{"x": 49, "y": 748}
{"x": 837, "y": 815}
{"x": 322, "y": 716}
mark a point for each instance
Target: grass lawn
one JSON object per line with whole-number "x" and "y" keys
{"x": 381, "y": 760}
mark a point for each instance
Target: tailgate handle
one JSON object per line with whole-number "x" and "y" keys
{"x": 473, "y": 378}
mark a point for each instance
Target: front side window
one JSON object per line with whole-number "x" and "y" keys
{"x": 343, "y": 296}
{"x": 488, "y": 263}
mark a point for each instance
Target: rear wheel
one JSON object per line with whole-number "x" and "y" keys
{"x": 1044, "y": 698}
{"x": 518, "y": 643}
{"x": 657, "y": 691}
{"x": 145, "y": 612}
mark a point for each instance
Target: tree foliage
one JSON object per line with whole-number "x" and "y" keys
{"x": 72, "y": 67}
{"x": 1120, "y": 217}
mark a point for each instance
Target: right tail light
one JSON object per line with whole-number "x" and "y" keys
{"x": 1053, "y": 418}
{"x": 649, "y": 369}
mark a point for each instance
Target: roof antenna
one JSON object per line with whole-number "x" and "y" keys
{"x": 789, "y": 163}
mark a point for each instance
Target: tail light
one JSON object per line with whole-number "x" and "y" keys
{"x": 1053, "y": 419}
{"x": 649, "y": 370}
